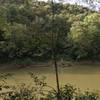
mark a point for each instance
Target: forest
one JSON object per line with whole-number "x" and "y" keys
{"x": 26, "y": 28}
{"x": 43, "y": 46}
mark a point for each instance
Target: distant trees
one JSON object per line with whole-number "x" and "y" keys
{"x": 25, "y": 31}
{"x": 86, "y": 35}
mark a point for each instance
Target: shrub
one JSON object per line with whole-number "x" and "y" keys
{"x": 67, "y": 93}
{"x": 38, "y": 90}
{"x": 88, "y": 96}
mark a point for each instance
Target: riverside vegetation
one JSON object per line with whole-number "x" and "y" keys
{"x": 26, "y": 36}
{"x": 39, "y": 90}
{"x": 25, "y": 31}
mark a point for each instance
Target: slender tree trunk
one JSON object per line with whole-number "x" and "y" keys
{"x": 54, "y": 54}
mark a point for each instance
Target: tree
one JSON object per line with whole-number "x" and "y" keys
{"x": 86, "y": 36}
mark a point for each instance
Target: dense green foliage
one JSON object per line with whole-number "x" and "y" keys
{"x": 26, "y": 27}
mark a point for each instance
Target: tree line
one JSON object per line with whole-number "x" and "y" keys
{"x": 26, "y": 29}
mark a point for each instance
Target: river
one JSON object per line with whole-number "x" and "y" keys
{"x": 81, "y": 76}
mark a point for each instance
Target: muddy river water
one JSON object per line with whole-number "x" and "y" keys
{"x": 84, "y": 76}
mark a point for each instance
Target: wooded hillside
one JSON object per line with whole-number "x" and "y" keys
{"x": 25, "y": 31}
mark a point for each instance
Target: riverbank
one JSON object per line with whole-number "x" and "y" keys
{"x": 32, "y": 64}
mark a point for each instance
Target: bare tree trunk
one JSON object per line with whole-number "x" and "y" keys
{"x": 54, "y": 55}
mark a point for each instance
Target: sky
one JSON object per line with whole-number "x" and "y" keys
{"x": 95, "y": 5}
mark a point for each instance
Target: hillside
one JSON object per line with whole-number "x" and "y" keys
{"x": 25, "y": 31}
